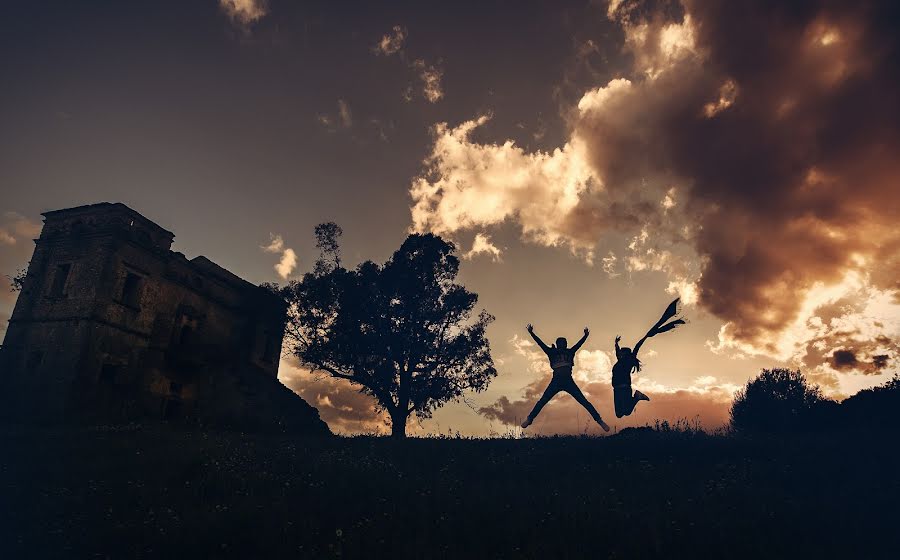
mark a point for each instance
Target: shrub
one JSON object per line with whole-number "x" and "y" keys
{"x": 779, "y": 400}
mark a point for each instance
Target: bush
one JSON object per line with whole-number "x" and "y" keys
{"x": 780, "y": 401}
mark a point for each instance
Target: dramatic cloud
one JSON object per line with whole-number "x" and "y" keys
{"x": 340, "y": 405}
{"x": 244, "y": 12}
{"x": 707, "y": 398}
{"x": 473, "y": 186}
{"x": 390, "y": 43}
{"x": 288, "y": 261}
{"x": 850, "y": 318}
{"x": 751, "y": 154}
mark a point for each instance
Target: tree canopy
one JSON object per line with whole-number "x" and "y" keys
{"x": 404, "y": 332}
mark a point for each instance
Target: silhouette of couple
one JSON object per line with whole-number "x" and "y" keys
{"x": 562, "y": 359}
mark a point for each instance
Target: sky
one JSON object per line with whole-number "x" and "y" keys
{"x": 591, "y": 160}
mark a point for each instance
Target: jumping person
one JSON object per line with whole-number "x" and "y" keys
{"x": 562, "y": 359}
{"x": 628, "y": 362}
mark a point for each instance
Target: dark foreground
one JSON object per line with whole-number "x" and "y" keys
{"x": 158, "y": 493}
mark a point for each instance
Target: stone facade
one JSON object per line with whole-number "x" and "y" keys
{"x": 111, "y": 325}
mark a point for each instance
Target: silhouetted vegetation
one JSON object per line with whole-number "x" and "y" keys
{"x": 670, "y": 491}
{"x": 404, "y": 331}
{"x": 873, "y": 409}
{"x": 781, "y": 401}
{"x": 666, "y": 493}
{"x": 778, "y": 400}
{"x": 17, "y": 280}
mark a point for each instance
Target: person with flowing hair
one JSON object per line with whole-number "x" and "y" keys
{"x": 627, "y": 362}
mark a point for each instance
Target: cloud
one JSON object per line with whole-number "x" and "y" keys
{"x": 430, "y": 76}
{"x": 286, "y": 265}
{"x": 469, "y": 185}
{"x": 244, "y": 12}
{"x": 15, "y": 228}
{"x": 764, "y": 186}
{"x": 482, "y": 245}
{"x": 288, "y": 261}
{"x": 609, "y": 264}
{"x": 390, "y": 43}
{"x": 835, "y": 321}
{"x": 276, "y": 244}
{"x": 707, "y": 398}
{"x": 340, "y": 404}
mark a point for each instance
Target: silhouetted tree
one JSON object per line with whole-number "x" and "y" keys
{"x": 327, "y": 241}
{"x": 873, "y": 409}
{"x": 778, "y": 400}
{"x": 18, "y": 280}
{"x": 403, "y": 331}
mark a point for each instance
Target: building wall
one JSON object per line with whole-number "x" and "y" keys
{"x": 139, "y": 332}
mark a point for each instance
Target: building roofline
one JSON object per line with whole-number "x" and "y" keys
{"x": 203, "y": 264}
{"x": 200, "y": 264}
{"x": 102, "y": 206}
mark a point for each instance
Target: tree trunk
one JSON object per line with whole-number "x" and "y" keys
{"x": 401, "y": 413}
{"x": 398, "y": 425}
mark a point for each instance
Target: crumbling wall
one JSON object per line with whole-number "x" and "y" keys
{"x": 111, "y": 325}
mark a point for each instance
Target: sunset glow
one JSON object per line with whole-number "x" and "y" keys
{"x": 590, "y": 162}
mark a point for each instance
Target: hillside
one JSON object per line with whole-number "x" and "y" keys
{"x": 142, "y": 493}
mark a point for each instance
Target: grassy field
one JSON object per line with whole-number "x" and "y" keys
{"x": 93, "y": 493}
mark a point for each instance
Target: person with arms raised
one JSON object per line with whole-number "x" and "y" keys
{"x": 627, "y": 362}
{"x": 562, "y": 359}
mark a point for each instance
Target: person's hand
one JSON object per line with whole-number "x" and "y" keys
{"x": 529, "y": 327}
{"x": 586, "y": 331}
{"x": 618, "y": 338}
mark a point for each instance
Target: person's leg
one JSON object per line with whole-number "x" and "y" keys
{"x": 624, "y": 400}
{"x": 576, "y": 393}
{"x": 549, "y": 393}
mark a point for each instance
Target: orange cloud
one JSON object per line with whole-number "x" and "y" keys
{"x": 706, "y": 401}
{"x": 288, "y": 260}
{"x": 763, "y": 186}
{"x": 340, "y": 405}
{"x": 244, "y": 12}
{"x": 707, "y": 405}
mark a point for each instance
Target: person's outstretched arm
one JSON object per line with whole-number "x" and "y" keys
{"x": 536, "y": 338}
{"x": 580, "y": 342}
{"x": 637, "y": 346}
{"x": 618, "y": 350}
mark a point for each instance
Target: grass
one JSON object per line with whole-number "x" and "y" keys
{"x": 665, "y": 492}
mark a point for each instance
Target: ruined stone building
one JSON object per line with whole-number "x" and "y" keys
{"x": 111, "y": 325}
